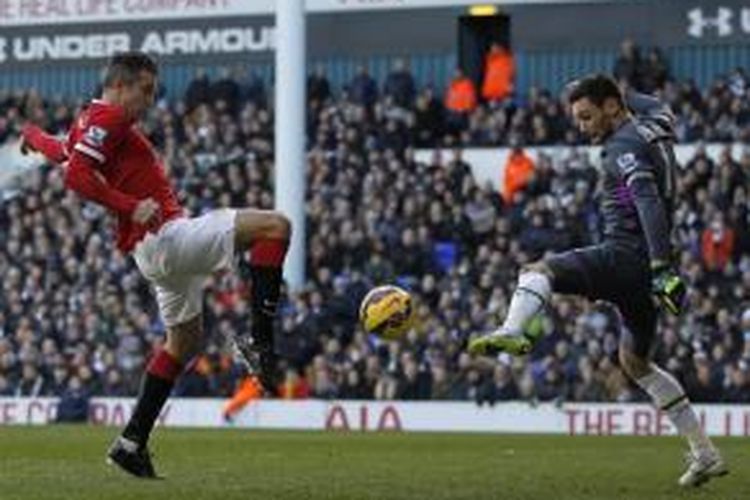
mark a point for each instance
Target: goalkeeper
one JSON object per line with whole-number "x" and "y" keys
{"x": 633, "y": 267}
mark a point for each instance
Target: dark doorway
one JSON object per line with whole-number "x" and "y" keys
{"x": 475, "y": 35}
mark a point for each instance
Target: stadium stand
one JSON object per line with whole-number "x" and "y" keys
{"x": 75, "y": 316}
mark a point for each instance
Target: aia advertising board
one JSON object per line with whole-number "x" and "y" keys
{"x": 601, "y": 419}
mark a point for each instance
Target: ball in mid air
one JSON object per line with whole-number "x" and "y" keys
{"x": 387, "y": 311}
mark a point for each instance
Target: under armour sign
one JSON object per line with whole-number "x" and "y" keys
{"x": 721, "y": 23}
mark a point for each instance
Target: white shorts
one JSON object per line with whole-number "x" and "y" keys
{"x": 181, "y": 255}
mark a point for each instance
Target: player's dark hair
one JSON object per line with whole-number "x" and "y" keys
{"x": 127, "y": 67}
{"x": 597, "y": 89}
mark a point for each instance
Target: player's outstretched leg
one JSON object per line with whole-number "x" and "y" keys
{"x": 266, "y": 234}
{"x": 520, "y": 330}
{"x": 704, "y": 460}
{"x": 130, "y": 450}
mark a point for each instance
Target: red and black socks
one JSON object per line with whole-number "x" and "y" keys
{"x": 157, "y": 383}
{"x": 266, "y": 261}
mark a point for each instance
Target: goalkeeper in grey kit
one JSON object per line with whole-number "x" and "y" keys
{"x": 633, "y": 264}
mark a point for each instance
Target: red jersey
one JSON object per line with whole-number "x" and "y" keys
{"x": 127, "y": 161}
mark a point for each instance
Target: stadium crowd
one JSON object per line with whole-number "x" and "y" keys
{"x": 76, "y": 317}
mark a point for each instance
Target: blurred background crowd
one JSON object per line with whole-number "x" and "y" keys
{"x": 76, "y": 317}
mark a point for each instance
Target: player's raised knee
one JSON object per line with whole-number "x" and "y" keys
{"x": 539, "y": 266}
{"x": 281, "y": 225}
{"x": 258, "y": 225}
{"x": 633, "y": 365}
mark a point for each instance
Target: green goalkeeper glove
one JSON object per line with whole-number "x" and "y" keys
{"x": 668, "y": 287}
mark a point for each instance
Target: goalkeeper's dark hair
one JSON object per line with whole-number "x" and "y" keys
{"x": 126, "y": 67}
{"x": 597, "y": 89}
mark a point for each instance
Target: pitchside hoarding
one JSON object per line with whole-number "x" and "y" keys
{"x": 366, "y": 416}
{"x": 37, "y": 33}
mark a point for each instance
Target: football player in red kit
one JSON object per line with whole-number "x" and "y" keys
{"x": 108, "y": 160}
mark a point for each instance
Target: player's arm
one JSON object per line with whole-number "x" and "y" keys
{"x": 34, "y": 138}
{"x": 640, "y": 179}
{"x": 82, "y": 177}
{"x": 651, "y": 211}
{"x": 102, "y": 140}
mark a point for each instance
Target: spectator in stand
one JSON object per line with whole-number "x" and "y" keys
{"x": 460, "y": 100}
{"x": 400, "y": 85}
{"x": 255, "y": 90}
{"x": 745, "y": 329}
{"x": 225, "y": 92}
{"x": 717, "y": 244}
{"x": 363, "y": 89}
{"x": 655, "y": 72}
{"x": 459, "y": 173}
{"x": 702, "y": 385}
{"x": 31, "y": 383}
{"x": 519, "y": 172}
{"x": 502, "y": 386}
{"x": 352, "y": 386}
{"x": 294, "y": 386}
{"x": 318, "y": 87}
{"x": 738, "y": 82}
{"x": 628, "y": 65}
{"x": 6, "y": 389}
{"x": 198, "y": 91}
{"x": 428, "y": 119}
{"x": 415, "y": 381}
{"x": 738, "y": 386}
{"x": 74, "y": 402}
{"x": 498, "y": 82}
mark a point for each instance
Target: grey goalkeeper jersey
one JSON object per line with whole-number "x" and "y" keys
{"x": 639, "y": 170}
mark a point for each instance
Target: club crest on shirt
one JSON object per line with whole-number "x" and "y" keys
{"x": 627, "y": 162}
{"x": 95, "y": 136}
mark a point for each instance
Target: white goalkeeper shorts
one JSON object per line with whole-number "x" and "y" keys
{"x": 181, "y": 255}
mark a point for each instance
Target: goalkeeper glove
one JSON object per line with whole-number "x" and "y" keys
{"x": 668, "y": 287}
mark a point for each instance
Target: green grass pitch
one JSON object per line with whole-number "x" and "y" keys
{"x": 67, "y": 462}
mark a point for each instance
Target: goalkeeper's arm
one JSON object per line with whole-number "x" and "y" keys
{"x": 667, "y": 285}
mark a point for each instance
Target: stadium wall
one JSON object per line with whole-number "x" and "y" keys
{"x": 367, "y": 416}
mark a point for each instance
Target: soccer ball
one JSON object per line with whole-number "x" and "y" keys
{"x": 387, "y": 311}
